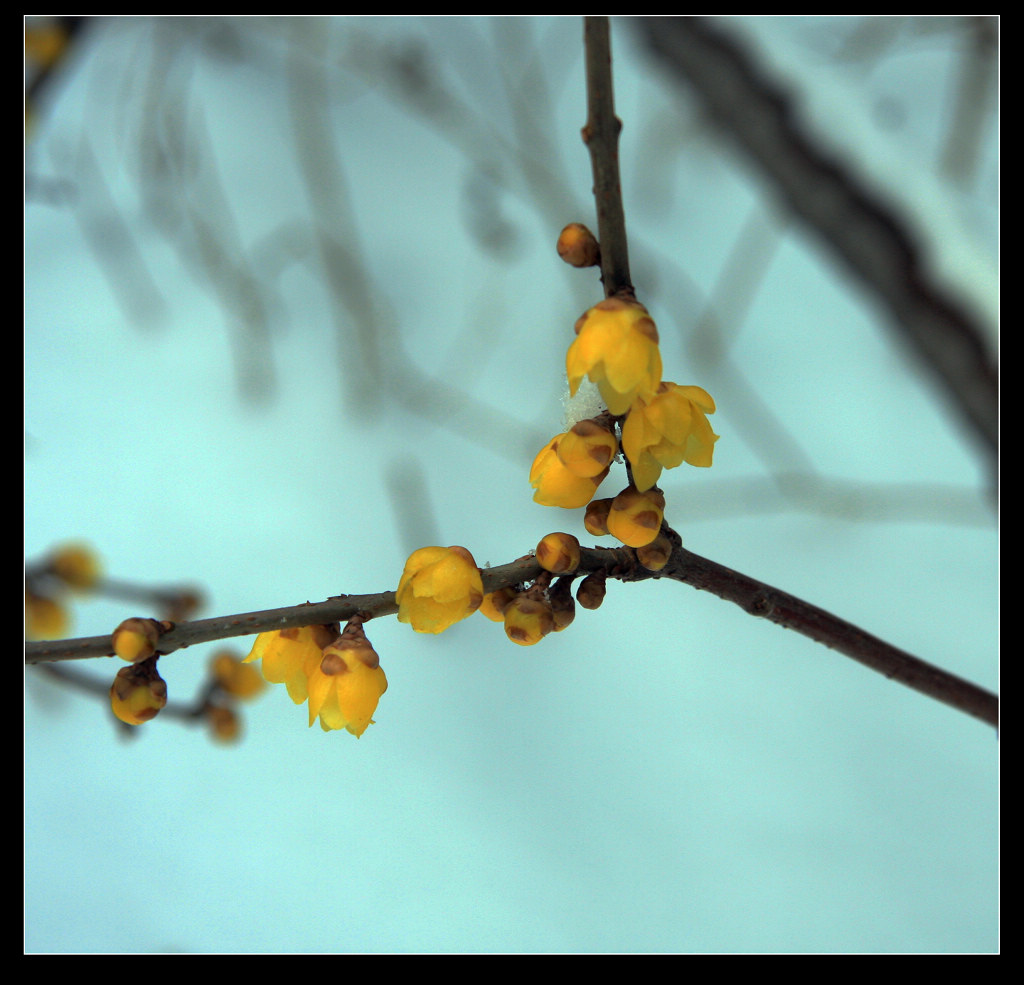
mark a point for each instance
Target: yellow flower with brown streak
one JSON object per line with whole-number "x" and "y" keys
{"x": 667, "y": 430}
{"x": 439, "y": 587}
{"x": 617, "y": 347}
{"x": 347, "y": 684}
{"x": 558, "y": 485}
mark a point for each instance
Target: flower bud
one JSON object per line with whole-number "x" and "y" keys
{"x": 135, "y": 639}
{"x": 242, "y": 680}
{"x": 563, "y": 607}
{"x": 635, "y": 517}
{"x": 138, "y": 693}
{"x": 596, "y": 517}
{"x": 528, "y": 620}
{"x": 495, "y": 603}
{"x": 587, "y": 448}
{"x": 591, "y": 592}
{"x": 224, "y": 723}
{"x": 559, "y": 553}
{"x": 45, "y": 618}
{"x": 76, "y": 565}
{"x": 654, "y": 556}
{"x": 578, "y": 246}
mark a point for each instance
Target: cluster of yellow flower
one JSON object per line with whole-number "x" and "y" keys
{"x": 339, "y": 675}
{"x": 662, "y": 425}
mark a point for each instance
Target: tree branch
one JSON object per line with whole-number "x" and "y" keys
{"x": 601, "y": 135}
{"x": 751, "y": 595}
{"x": 853, "y": 222}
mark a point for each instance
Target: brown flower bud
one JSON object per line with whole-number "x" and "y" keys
{"x": 136, "y": 639}
{"x": 591, "y": 592}
{"x": 558, "y": 553}
{"x": 578, "y": 246}
{"x": 654, "y": 556}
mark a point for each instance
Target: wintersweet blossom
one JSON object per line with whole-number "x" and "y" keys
{"x": 439, "y": 586}
{"x": 667, "y": 430}
{"x": 340, "y": 676}
{"x": 290, "y": 656}
{"x": 347, "y": 683}
{"x": 617, "y": 347}
{"x": 558, "y": 485}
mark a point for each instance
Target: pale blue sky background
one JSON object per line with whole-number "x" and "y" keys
{"x": 669, "y": 774}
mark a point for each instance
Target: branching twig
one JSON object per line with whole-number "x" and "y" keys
{"x": 753, "y": 596}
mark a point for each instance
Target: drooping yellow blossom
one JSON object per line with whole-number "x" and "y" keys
{"x": 617, "y": 347}
{"x": 346, "y": 686}
{"x": 290, "y": 656}
{"x": 635, "y": 517}
{"x": 557, "y": 485}
{"x": 587, "y": 448}
{"x": 667, "y": 430}
{"x": 439, "y": 587}
{"x": 138, "y": 693}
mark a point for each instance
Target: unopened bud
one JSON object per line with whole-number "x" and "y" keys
{"x": 238, "y": 679}
{"x": 559, "y": 553}
{"x": 138, "y": 693}
{"x": 563, "y": 607}
{"x": 76, "y": 565}
{"x": 224, "y": 723}
{"x": 654, "y": 556}
{"x": 578, "y": 246}
{"x": 596, "y": 517}
{"x": 528, "y": 620}
{"x": 635, "y": 517}
{"x": 136, "y": 639}
{"x": 591, "y": 592}
{"x": 495, "y": 603}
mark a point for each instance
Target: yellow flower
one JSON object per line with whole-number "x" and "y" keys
{"x": 617, "y": 347}
{"x": 341, "y": 675}
{"x": 290, "y": 656}
{"x": 635, "y": 517}
{"x": 439, "y": 586}
{"x": 347, "y": 684}
{"x": 557, "y": 485}
{"x": 667, "y": 430}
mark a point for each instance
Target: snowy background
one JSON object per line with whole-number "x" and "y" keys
{"x": 207, "y": 402}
